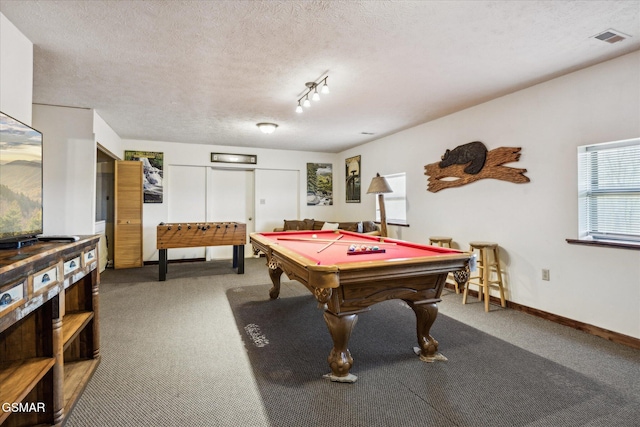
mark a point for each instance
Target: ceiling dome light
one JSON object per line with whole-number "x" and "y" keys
{"x": 267, "y": 127}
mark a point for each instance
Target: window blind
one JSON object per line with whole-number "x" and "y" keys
{"x": 609, "y": 191}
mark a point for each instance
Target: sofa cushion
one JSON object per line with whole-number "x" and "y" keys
{"x": 369, "y": 226}
{"x": 348, "y": 226}
{"x": 311, "y": 224}
{"x": 293, "y": 225}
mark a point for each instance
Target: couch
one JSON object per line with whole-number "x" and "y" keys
{"x": 366, "y": 227}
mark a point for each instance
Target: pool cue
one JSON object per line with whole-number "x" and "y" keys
{"x": 330, "y": 243}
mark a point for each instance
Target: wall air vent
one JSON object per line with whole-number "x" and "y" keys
{"x": 611, "y": 36}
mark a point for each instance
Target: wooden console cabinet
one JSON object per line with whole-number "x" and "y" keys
{"x": 49, "y": 329}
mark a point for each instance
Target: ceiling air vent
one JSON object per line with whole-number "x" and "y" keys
{"x": 611, "y": 36}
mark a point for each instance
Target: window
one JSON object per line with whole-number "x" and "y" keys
{"x": 609, "y": 191}
{"x": 395, "y": 203}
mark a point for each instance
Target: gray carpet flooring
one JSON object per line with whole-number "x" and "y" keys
{"x": 173, "y": 355}
{"x": 485, "y": 382}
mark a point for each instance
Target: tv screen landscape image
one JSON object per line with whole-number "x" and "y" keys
{"x": 20, "y": 181}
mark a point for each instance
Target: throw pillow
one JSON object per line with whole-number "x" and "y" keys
{"x": 369, "y": 226}
{"x": 330, "y": 226}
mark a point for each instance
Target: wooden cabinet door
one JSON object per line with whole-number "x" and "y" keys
{"x": 127, "y": 251}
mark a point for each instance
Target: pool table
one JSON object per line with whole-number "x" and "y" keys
{"x": 347, "y": 282}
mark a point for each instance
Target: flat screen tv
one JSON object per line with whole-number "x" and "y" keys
{"x": 20, "y": 183}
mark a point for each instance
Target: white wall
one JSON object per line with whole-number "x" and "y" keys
{"x": 69, "y": 169}
{"x": 16, "y": 72}
{"x": 105, "y": 136}
{"x": 199, "y": 155}
{"x": 594, "y": 285}
{"x": 272, "y": 202}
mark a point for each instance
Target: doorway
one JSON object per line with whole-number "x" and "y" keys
{"x": 105, "y": 203}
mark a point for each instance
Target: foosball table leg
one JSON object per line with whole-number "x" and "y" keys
{"x": 238, "y": 258}
{"x": 163, "y": 265}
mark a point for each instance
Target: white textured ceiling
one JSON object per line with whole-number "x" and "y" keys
{"x": 207, "y": 71}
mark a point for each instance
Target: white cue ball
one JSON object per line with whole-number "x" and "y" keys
{"x": 315, "y": 236}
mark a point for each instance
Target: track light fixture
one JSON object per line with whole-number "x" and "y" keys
{"x": 315, "y": 96}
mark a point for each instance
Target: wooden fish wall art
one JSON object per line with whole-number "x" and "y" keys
{"x": 471, "y": 162}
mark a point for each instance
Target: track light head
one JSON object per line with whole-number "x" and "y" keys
{"x": 325, "y": 87}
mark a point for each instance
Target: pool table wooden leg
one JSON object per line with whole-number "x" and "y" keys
{"x": 275, "y": 273}
{"x": 426, "y": 314}
{"x": 340, "y": 359}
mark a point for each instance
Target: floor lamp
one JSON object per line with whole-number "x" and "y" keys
{"x": 379, "y": 186}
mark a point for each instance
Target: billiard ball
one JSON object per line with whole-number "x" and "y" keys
{"x": 315, "y": 236}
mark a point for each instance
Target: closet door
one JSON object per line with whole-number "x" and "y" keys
{"x": 127, "y": 250}
{"x": 229, "y": 199}
{"x": 187, "y": 192}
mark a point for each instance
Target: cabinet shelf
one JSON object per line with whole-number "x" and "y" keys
{"x": 72, "y": 324}
{"x": 76, "y": 376}
{"x": 20, "y": 377}
{"x": 49, "y": 339}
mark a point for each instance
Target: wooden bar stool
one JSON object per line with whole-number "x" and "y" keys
{"x": 483, "y": 279}
{"x": 445, "y": 242}
{"x": 442, "y": 241}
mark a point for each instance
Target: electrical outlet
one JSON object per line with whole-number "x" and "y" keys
{"x": 545, "y": 274}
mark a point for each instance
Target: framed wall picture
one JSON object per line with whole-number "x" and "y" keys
{"x": 319, "y": 184}
{"x": 352, "y": 179}
{"x": 152, "y": 165}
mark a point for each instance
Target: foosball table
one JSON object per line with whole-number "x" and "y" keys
{"x": 191, "y": 235}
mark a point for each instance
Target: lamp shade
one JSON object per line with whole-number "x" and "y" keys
{"x": 379, "y": 185}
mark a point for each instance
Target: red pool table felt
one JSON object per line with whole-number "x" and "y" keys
{"x": 303, "y": 243}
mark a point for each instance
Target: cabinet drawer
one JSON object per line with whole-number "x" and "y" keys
{"x": 90, "y": 256}
{"x": 45, "y": 278}
{"x": 12, "y": 295}
{"x": 71, "y": 265}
